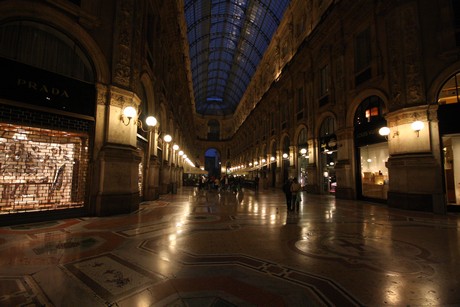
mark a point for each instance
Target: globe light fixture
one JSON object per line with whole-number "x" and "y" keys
{"x": 167, "y": 138}
{"x": 384, "y": 131}
{"x": 128, "y": 113}
{"x": 151, "y": 121}
{"x": 417, "y": 126}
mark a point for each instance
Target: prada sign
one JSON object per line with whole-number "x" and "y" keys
{"x": 30, "y": 85}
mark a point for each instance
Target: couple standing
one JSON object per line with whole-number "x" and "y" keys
{"x": 293, "y": 198}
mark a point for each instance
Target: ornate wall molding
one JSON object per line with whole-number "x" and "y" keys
{"x": 121, "y": 98}
{"x": 412, "y": 55}
{"x": 404, "y": 52}
{"x": 123, "y": 43}
{"x": 102, "y": 91}
{"x": 393, "y": 25}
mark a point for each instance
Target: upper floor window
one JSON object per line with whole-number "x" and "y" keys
{"x": 213, "y": 130}
{"x": 324, "y": 80}
{"x": 300, "y": 98}
{"x": 284, "y": 111}
{"x": 327, "y": 127}
{"x": 456, "y": 14}
{"x": 363, "y": 57}
{"x": 362, "y": 51}
{"x": 300, "y": 103}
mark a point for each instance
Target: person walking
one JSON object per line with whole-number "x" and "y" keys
{"x": 288, "y": 194}
{"x": 295, "y": 198}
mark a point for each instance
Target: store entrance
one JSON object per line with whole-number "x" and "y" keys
{"x": 373, "y": 170}
{"x": 449, "y": 130}
{"x": 372, "y": 178}
{"x": 451, "y": 155}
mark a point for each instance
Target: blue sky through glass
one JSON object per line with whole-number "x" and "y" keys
{"x": 227, "y": 40}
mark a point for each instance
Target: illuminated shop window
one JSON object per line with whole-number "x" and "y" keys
{"x": 374, "y": 174}
{"x": 41, "y": 169}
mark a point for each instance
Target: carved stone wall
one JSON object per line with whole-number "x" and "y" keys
{"x": 123, "y": 43}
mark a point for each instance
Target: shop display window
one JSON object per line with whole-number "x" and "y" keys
{"x": 374, "y": 173}
{"x": 41, "y": 169}
{"x": 451, "y": 155}
{"x": 328, "y": 161}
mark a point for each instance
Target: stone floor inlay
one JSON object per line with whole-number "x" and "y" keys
{"x": 211, "y": 248}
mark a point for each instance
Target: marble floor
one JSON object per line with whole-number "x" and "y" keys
{"x": 203, "y": 248}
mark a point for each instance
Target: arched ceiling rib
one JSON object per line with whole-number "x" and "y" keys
{"x": 227, "y": 39}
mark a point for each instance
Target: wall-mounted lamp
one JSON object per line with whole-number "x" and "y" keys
{"x": 384, "y": 131}
{"x": 175, "y": 147}
{"x": 417, "y": 126}
{"x": 272, "y": 158}
{"x": 303, "y": 151}
{"x": 250, "y": 164}
{"x": 151, "y": 121}
{"x": 263, "y": 160}
{"x": 167, "y": 138}
{"x": 128, "y": 113}
{"x": 256, "y": 163}
{"x": 285, "y": 155}
{"x": 181, "y": 153}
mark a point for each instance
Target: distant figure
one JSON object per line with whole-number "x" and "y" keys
{"x": 295, "y": 190}
{"x": 288, "y": 194}
{"x": 256, "y": 181}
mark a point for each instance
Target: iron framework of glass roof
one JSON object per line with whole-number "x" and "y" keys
{"x": 227, "y": 39}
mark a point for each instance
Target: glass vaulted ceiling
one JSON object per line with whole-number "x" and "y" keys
{"x": 227, "y": 39}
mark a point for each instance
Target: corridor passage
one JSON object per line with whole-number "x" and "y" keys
{"x": 204, "y": 248}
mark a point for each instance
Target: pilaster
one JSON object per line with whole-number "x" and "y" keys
{"x": 414, "y": 167}
{"x": 115, "y": 187}
{"x": 344, "y": 167}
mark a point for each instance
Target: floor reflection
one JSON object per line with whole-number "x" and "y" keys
{"x": 225, "y": 248}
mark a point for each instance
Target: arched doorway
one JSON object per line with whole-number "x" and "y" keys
{"x": 449, "y": 129}
{"x": 44, "y": 152}
{"x": 273, "y": 164}
{"x": 328, "y": 155}
{"x": 371, "y": 150}
{"x": 285, "y": 157}
{"x": 303, "y": 157}
{"x": 212, "y": 162}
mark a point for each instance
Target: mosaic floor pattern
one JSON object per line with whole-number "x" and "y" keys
{"x": 203, "y": 248}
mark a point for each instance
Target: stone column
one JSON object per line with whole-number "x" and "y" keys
{"x": 152, "y": 180}
{"x": 279, "y": 168}
{"x": 344, "y": 168}
{"x": 115, "y": 189}
{"x": 312, "y": 167}
{"x": 293, "y": 161}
